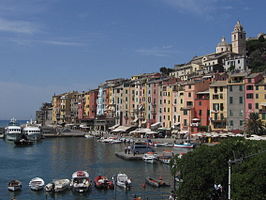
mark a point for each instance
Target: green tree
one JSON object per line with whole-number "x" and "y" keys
{"x": 208, "y": 165}
{"x": 254, "y": 125}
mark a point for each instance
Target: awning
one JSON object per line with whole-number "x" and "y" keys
{"x": 83, "y": 126}
{"x": 155, "y": 125}
{"x": 135, "y": 120}
{"x": 121, "y": 129}
{"x": 113, "y": 127}
{"x": 140, "y": 130}
{"x": 151, "y": 133}
{"x": 195, "y": 119}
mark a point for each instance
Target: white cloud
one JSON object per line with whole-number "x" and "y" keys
{"x": 158, "y": 51}
{"x": 62, "y": 43}
{"x": 17, "y": 26}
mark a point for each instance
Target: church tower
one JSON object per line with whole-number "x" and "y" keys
{"x": 239, "y": 39}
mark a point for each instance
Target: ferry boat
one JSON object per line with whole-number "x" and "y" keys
{"x": 13, "y": 131}
{"x": 32, "y": 131}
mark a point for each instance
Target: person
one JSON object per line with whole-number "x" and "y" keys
{"x": 128, "y": 149}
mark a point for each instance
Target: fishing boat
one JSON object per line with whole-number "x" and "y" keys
{"x": 32, "y": 131}
{"x": 102, "y": 182}
{"x": 123, "y": 181}
{"x": 149, "y": 157}
{"x": 13, "y": 131}
{"x": 156, "y": 182}
{"x": 80, "y": 181}
{"x": 184, "y": 145}
{"x": 166, "y": 157}
{"x": 36, "y": 184}
{"x": 14, "y": 185}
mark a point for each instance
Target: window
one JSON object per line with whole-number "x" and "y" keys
{"x": 257, "y": 106}
{"x": 264, "y": 87}
{"x": 231, "y": 100}
{"x": 221, "y": 89}
{"x": 215, "y": 90}
{"x": 200, "y": 103}
{"x": 189, "y": 103}
{"x": 189, "y": 94}
{"x": 241, "y": 113}
{"x": 249, "y": 87}
{"x": 231, "y": 113}
{"x": 257, "y": 87}
{"x": 249, "y": 96}
{"x": 257, "y": 96}
{"x": 200, "y": 112}
{"x": 230, "y": 88}
{"x": 264, "y": 116}
{"x": 215, "y": 96}
{"x": 185, "y": 112}
{"x": 185, "y": 122}
{"x": 231, "y": 123}
{"x": 221, "y": 96}
{"x": 240, "y": 87}
{"x": 249, "y": 106}
{"x": 221, "y": 106}
{"x": 241, "y": 123}
{"x": 241, "y": 100}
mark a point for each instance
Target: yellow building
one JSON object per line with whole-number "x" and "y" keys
{"x": 260, "y": 99}
{"x": 218, "y": 105}
{"x": 86, "y": 105}
{"x": 56, "y": 108}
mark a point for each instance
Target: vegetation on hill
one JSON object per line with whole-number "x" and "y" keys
{"x": 256, "y": 51}
{"x": 207, "y": 166}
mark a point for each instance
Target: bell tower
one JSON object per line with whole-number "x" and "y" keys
{"x": 239, "y": 39}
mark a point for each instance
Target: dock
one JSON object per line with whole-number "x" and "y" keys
{"x": 130, "y": 156}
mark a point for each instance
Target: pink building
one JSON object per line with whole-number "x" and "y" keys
{"x": 188, "y": 111}
{"x": 250, "y": 82}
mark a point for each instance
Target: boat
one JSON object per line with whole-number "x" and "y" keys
{"x": 102, "y": 182}
{"x": 23, "y": 142}
{"x": 185, "y": 145}
{"x": 36, "y": 184}
{"x": 13, "y": 131}
{"x": 80, "y": 181}
{"x": 32, "y": 131}
{"x": 149, "y": 157}
{"x": 88, "y": 136}
{"x": 49, "y": 187}
{"x": 166, "y": 157}
{"x": 14, "y": 185}
{"x": 61, "y": 185}
{"x": 156, "y": 182}
{"x": 123, "y": 181}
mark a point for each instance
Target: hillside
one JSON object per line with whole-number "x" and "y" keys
{"x": 256, "y": 51}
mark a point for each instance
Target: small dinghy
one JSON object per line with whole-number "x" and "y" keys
{"x": 14, "y": 185}
{"x": 36, "y": 184}
{"x": 102, "y": 182}
{"x": 49, "y": 187}
{"x": 80, "y": 181}
{"x": 156, "y": 182}
{"x": 123, "y": 181}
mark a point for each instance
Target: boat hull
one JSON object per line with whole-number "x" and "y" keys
{"x": 13, "y": 136}
{"x": 188, "y": 146}
{"x": 34, "y": 137}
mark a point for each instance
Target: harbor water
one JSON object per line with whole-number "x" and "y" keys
{"x": 54, "y": 158}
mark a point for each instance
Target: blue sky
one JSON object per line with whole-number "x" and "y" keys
{"x": 52, "y": 46}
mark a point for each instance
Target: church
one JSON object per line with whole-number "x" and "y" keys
{"x": 227, "y": 57}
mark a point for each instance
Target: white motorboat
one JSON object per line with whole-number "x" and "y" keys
{"x": 80, "y": 181}
{"x": 61, "y": 185}
{"x": 36, "y": 184}
{"x": 32, "y": 131}
{"x": 149, "y": 157}
{"x": 13, "y": 131}
{"x": 123, "y": 181}
{"x": 58, "y": 185}
{"x": 88, "y": 136}
{"x": 14, "y": 185}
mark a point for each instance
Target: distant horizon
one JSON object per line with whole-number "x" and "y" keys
{"x": 84, "y": 43}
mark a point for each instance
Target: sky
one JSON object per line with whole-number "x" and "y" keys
{"x": 49, "y": 47}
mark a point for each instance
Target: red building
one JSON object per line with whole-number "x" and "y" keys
{"x": 93, "y": 104}
{"x": 200, "y": 122}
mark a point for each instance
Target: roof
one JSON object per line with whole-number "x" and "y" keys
{"x": 218, "y": 83}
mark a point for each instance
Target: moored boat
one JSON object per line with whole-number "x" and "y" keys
{"x": 13, "y": 132}
{"x": 80, "y": 181}
{"x": 149, "y": 157}
{"x": 156, "y": 182}
{"x": 123, "y": 181}
{"x": 36, "y": 184}
{"x": 32, "y": 131}
{"x": 23, "y": 142}
{"x": 14, "y": 185}
{"x": 184, "y": 145}
{"x": 61, "y": 185}
{"x": 49, "y": 187}
{"x": 102, "y": 182}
